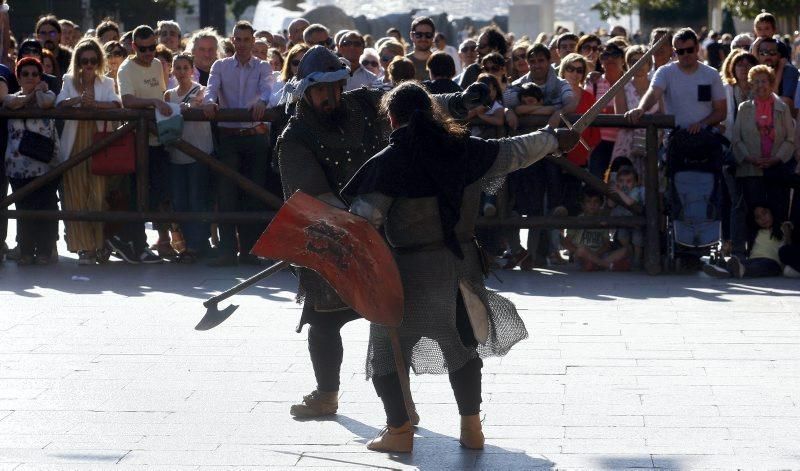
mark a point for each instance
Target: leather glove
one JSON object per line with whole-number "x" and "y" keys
{"x": 566, "y": 138}
{"x": 475, "y": 95}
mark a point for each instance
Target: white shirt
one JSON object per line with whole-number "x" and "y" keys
{"x": 360, "y": 78}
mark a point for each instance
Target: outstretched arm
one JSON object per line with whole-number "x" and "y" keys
{"x": 524, "y": 150}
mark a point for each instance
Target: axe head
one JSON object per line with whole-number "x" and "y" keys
{"x": 342, "y": 248}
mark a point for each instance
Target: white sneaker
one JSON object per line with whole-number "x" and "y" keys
{"x": 790, "y": 272}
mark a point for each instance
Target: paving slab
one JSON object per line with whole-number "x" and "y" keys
{"x": 621, "y": 371}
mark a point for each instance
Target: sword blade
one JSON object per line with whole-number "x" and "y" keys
{"x": 587, "y": 118}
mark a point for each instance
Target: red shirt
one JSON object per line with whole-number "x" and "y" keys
{"x": 591, "y": 135}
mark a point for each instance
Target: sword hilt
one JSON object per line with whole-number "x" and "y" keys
{"x": 569, "y": 126}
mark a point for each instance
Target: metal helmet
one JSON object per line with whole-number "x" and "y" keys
{"x": 319, "y": 59}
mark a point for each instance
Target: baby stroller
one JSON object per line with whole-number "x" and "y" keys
{"x": 694, "y": 176}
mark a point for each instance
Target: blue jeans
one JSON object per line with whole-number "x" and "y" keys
{"x": 189, "y": 186}
{"x": 759, "y": 267}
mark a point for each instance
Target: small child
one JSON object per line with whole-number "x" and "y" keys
{"x": 592, "y": 248}
{"x": 766, "y": 240}
{"x": 489, "y": 119}
{"x": 627, "y": 186}
{"x": 531, "y": 101}
{"x": 489, "y": 125}
{"x": 530, "y": 95}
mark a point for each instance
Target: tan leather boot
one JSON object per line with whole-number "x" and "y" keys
{"x": 471, "y": 432}
{"x": 316, "y": 404}
{"x": 394, "y": 439}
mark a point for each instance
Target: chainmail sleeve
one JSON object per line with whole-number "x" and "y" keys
{"x": 521, "y": 151}
{"x": 299, "y": 169}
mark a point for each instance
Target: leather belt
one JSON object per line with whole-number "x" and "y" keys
{"x": 241, "y": 132}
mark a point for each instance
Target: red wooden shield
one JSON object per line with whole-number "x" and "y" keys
{"x": 344, "y": 249}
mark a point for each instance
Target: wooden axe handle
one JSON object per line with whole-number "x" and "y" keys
{"x": 246, "y": 283}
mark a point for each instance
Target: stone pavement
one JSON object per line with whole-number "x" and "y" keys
{"x": 100, "y": 368}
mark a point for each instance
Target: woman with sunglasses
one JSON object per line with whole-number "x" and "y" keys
{"x": 36, "y": 237}
{"x": 371, "y": 61}
{"x": 289, "y": 70}
{"x": 518, "y": 66}
{"x": 574, "y": 68}
{"x": 590, "y": 47}
{"x": 387, "y": 52}
{"x": 85, "y": 86}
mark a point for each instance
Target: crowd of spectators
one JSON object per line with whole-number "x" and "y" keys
{"x": 742, "y": 87}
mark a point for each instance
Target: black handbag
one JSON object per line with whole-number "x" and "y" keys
{"x": 36, "y": 146}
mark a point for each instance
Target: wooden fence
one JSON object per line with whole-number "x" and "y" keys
{"x": 142, "y": 123}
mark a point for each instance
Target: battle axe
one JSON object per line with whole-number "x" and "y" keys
{"x": 346, "y": 251}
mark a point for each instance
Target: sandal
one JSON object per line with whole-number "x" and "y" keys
{"x": 165, "y": 250}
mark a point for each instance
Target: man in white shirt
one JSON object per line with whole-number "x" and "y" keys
{"x": 351, "y": 46}
{"x": 692, "y": 91}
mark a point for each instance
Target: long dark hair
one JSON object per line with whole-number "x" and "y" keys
{"x": 775, "y": 230}
{"x": 411, "y": 105}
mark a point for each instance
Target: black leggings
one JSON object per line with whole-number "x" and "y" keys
{"x": 466, "y": 384}
{"x": 325, "y": 344}
{"x": 466, "y": 381}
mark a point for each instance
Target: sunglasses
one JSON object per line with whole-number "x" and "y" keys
{"x": 387, "y": 58}
{"x": 469, "y": 48}
{"x": 351, "y": 43}
{"x": 684, "y": 50}
{"x": 44, "y": 34}
{"x": 145, "y": 48}
{"x": 492, "y": 68}
{"x": 767, "y": 52}
{"x": 569, "y": 68}
{"x": 420, "y": 35}
{"x": 518, "y": 57}
{"x": 29, "y": 74}
{"x": 370, "y": 63}
{"x": 88, "y": 61}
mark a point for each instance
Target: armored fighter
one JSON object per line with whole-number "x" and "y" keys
{"x": 326, "y": 141}
{"x": 424, "y": 189}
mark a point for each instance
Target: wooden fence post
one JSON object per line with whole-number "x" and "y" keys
{"x": 142, "y": 165}
{"x": 652, "y": 251}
